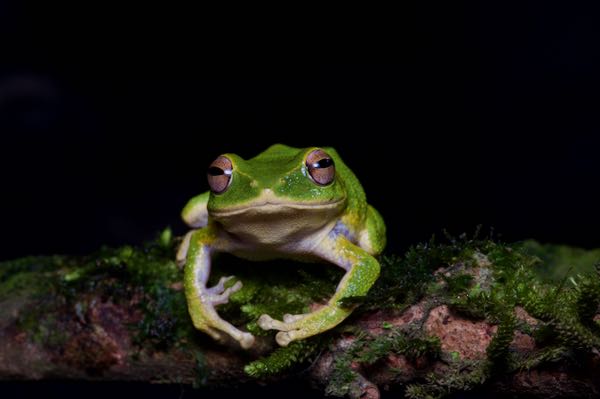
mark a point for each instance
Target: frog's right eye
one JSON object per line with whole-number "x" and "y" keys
{"x": 219, "y": 174}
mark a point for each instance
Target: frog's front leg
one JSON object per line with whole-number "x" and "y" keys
{"x": 362, "y": 270}
{"x": 202, "y": 300}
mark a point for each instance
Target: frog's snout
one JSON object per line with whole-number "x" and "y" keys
{"x": 268, "y": 194}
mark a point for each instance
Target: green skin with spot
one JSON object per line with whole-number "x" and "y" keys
{"x": 272, "y": 208}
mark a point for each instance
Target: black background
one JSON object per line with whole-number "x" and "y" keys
{"x": 470, "y": 116}
{"x": 450, "y": 116}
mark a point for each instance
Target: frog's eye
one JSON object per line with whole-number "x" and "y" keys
{"x": 320, "y": 167}
{"x": 219, "y": 174}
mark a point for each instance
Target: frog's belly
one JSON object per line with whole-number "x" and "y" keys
{"x": 261, "y": 234}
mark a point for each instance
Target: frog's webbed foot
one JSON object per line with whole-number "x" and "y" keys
{"x": 285, "y": 327}
{"x": 205, "y": 316}
{"x": 290, "y": 322}
{"x": 218, "y": 294}
{"x": 245, "y": 339}
{"x": 289, "y": 328}
{"x": 300, "y": 326}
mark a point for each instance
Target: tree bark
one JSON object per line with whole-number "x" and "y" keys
{"x": 85, "y": 331}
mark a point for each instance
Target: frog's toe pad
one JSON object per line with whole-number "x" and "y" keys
{"x": 283, "y": 338}
{"x": 246, "y": 341}
{"x": 266, "y": 322}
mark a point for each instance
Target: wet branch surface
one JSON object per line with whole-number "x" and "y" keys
{"x": 467, "y": 315}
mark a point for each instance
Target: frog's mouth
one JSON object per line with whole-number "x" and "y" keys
{"x": 273, "y": 222}
{"x": 276, "y": 207}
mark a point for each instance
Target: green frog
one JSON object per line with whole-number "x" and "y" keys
{"x": 302, "y": 204}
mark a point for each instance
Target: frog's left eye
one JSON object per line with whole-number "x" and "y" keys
{"x": 320, "y": 167}
{"x": 219, "y": 174}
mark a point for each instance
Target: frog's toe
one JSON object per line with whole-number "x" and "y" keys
{"x": 220, "y": 287}
{"x": 246, "y": 341}
{"x": 224, "y": 296}
{"x": 283, "y": 338}
{"x": 266, "y": 322}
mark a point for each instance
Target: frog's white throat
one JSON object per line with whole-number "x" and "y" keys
{"x": 273, "y": 222}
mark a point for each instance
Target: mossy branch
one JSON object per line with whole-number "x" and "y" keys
{"x": 466, "y": 314}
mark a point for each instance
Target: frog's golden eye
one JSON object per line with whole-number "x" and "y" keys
{"x": 320, "y": 167}
{"x": 219, "y": 174}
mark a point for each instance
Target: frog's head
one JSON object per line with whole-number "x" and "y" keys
{"x": 282, "y": 194}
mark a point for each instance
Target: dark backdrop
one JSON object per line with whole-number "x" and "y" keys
{"x": 451, "y": 117}
{"x": 475, "y": 116}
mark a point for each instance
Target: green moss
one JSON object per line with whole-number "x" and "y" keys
{"x": 404, "y": 280}
{"x": 458, "y": 284}
{"x": 18, "y": 282}
{"x": 546, "y": 355}
{"x": 202, "y": 370}
{"x": 45, "y": 329}
{"x": 480, "y": 278}
{"x": 588, "y": 299}
{"x": 343, "y": 377}
{"x": 32, "y": 275}
{"x": 283, "y": 358}
{"x": 142, "y": 277}
{"x": 165, "y": 322}
{"x": 274, "y": 289}
{"x": 504, "y": 276}
{"x": 368, "y": 350}
{"x": 498, "y": 350}
{"x": 560, "y": 260}
{"x": 459, "y": 377}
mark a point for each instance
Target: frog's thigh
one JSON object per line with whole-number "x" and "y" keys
{"x": 372, "y": 237}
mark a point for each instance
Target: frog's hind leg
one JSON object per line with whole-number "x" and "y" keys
{"x": 202, "y": 300}
{"x": 361, "y": 272}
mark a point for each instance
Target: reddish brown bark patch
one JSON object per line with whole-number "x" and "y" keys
{"x": 549, "y": 384}
{"x": 466, "y": 337}
{"x": 522, "y": 342}
{"x": 374, "y": 322}
{"x": 522, "y": 315}
{"x": 101, "y": 339}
